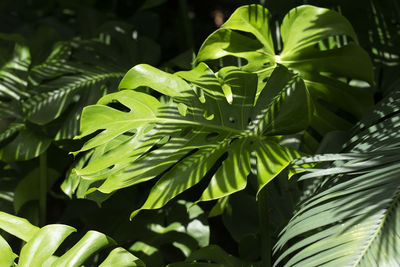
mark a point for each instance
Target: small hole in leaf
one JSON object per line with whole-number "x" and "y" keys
{"x": 129, "y": 133}
{"x": 266, "y": 64}
{"x": 117, "y": 105}
{"x": 211, "y": 136}
{"x": 233, "y": 140}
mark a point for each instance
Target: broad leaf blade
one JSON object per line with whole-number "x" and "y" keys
{"x": 43, "y": 244}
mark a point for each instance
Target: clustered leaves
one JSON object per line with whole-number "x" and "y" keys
{"x": 352, "y": 217}
{"x": 41, "y": 243}
{"x": 260, "y": 100}
{"x": 228, "y": 117}
{"x": 211, "y": 118}
{"x": 317, "y": 43}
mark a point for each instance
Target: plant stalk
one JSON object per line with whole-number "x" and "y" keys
{"x": 263, "y": 213}
{"x": 187, "y": 27}
{"x": 43, "y": 189}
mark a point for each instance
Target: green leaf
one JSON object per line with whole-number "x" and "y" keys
{"x": 254, "y": 20}
{"x": 7, "y": 255}
{"x": 222, "y": 183}
{"x": 29, "y": 188}
{"x": 42, "y": 243}
{"x": 351, "y": 217}
{"x": 312, "y": 24}
{"x": 18, "y": 227}
{"x": 213, "y": 119}
{"x": 86, "y": 246}
{"x": 325, "y": 70}
{"x": 67, "y": 81}
{"x": 14, "y": 66}
{"x": 25, "y": 146}
{"x": 121, "y": 257}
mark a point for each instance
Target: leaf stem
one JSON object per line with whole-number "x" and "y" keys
{"x": 43, "y": 189}
{"x": 187, "y": 27}
{"x": 263, "y": 214}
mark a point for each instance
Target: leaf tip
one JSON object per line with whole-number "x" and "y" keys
{"x": 134, "y": 213}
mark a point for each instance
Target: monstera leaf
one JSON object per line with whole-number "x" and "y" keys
{"x": 212, "y": 125}
{"x": 318, "y": 44}
{"x": 352, "y": 218}
{"x": 41, "y": 244}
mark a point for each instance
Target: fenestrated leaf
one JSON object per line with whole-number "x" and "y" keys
{"x": 238, "y": 162}
{"x": 272, "y": 159}
{"x": 42, "y": 243}
{"x": 121, "y": 257}
{"x": 213, "y": 119}
{"x": 352, "y": 217}
{"x": 312, "y": 24}
{"x": 324, "y": 69}
{"x": 86, "y": 246}
{"x": 18, "y": 227}
{"x": 7, "y": 255}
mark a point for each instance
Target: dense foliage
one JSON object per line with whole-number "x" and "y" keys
{"x": 175, "y": 133}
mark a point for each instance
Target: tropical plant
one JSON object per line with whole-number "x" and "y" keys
{"x": 214, "y": 119}
{"x": 40, "y": 244}
{"x": 317, "y": 43}
{"x": 52, "y": 94}
{"x": 351, "y": 218}
{"x": 266, "y": 92}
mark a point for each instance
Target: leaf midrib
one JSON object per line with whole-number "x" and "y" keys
{"x": 379, "y": 228}
{"x": 177, "y": 121}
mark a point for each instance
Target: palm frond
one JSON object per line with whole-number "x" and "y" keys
{"x": 48, "y": 98}
{"x": 352, "y": 219}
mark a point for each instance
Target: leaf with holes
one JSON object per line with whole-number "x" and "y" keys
{"x": 40, "y": 244}
{"x": 212, "y": 127}
{"x": 318, "y": 44}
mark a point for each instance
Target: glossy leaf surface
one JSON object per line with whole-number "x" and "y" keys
{"x": 42, "y": 243}
{"x": 352, "y": 218}
{"x": 319, "y": 44}
{"x": 213, "y": 119}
